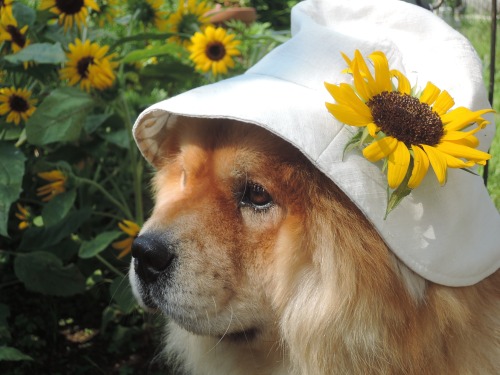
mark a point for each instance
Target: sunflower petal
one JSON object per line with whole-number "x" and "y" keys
{"x": 382, "y": 74}
{"x": 438, "y": 162}
{"x": 430, "y": 93}
{"x": 398, "y": 162}
{"x": 420, "y": 167}
{"x": 443, "y": 103}
{"x": 462, "y": 151}
{"x": 380, "y": 149}
{"x": 404, "y": 86}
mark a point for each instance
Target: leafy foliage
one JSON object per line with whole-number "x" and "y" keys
{"x": 70, "y": 173}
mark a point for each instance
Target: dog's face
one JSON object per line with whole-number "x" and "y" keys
{"x": 230, "y": 202}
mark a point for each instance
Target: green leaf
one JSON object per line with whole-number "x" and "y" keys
{"x": 122, "y": 294}
{"x": 91, "y": 248}
{"x": 60, "y": 117}
{"x": 42, "y": 53}
{"x": 400, "y": 192}
{"x": 40, "y": 238}
{"x": 24, "y": 15}
{"x": 8, "y": 353}
{"x": 45, "y": 273}
{"x": 353, "y": 143}
{"x": 11, "y": 177}
{"x": 93, "y": 122}
{"x": 154, "y": 51}
{"x": 167, "y": 70}
{"x": 57, "y": 208}
{"x": 121, "y": 138}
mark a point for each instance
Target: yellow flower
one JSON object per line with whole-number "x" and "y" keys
{"x": 88, "y": 65}
{"x": 109, "y": 11}
{"x": 9, "y": 31}
{"x": 412, "y": 132}
{"x": 70, "y": 11}
{"x": 189, "y": 18}
{"x": 6, "y": 7}
{"x": 56, "y": 186}
{"x": 125, "y": 246}
{"x": 149, "y": 13}
{"x": 213, "y": 50}
{"x": 17, "y": 103}
{"x": 24, "y": 216}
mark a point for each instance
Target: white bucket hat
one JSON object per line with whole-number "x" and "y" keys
{"x": 447, "y": 234}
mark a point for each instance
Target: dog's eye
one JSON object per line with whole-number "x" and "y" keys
{"x": 256, "y": 196}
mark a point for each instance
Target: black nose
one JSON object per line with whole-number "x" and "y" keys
{"x": 153, "y": 256}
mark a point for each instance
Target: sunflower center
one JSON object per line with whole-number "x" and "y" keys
{"x": 215, "y": 51}
{"x": 82, "y": 66}
{"x": 17, "y": 37}
{"x": 70, "y": 7}
{"x": 406, "y": 118}
{"x": 18, "y": 104}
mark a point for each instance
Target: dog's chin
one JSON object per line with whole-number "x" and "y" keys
{"x": 153, "y": 304}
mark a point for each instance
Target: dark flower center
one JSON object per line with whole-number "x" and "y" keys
{"x": 70, "y": 7}
{"x": 82, "y": 66}
{"x": 17, "y": 37}
{"x": 215, "y": 51}
{"x": 406, "y": 118}
{"x": 18, "y": 104}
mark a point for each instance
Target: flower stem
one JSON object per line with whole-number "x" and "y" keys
{"x": 136, "y": 165}
{"x": 110, "y": 266}
{"x": 118, "y": 204}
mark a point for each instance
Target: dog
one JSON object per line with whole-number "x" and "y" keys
{"x": 264, "y": 266}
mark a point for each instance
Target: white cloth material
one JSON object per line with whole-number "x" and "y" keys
{"x": 449, "y": 235}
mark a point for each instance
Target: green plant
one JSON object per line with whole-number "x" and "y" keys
{"x": 73, "y": 186}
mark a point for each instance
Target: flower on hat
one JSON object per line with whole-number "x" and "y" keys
{"x": 17, "y": 103}
{"x": 410, "y": 131}
{"x": 89, "y": 65}
{"x": 189, "y": 18}
{"x": 213, "y": 50}
{"x": 132, "y": 230}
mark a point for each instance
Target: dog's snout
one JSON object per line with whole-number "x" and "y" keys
{"x": 153, "y": 255}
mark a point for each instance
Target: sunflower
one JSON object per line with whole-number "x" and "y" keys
{"x": 24, "y": 215}
{"x": 189, "y": 18}
{"x": 9, "y": 31}
{"x": 412, "y": 131}
{"x": 149, "y": 12}
{"x": 125, "y": 246}
{"x": 57, "y": 184}
{"x": 17, "y": 103}
{"x": 108, "y": 11}
{"x": 89, "y": 65}
{"x": 70, "y": 11}
{"x": 6, "y": 7}
{"x": 213, "y": 49}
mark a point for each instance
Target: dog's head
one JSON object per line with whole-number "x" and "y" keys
{"x": 238, "y": 213}
{"x": 227, "y": 198}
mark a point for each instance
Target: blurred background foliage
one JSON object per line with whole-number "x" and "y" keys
{"x": 74, "y": 189}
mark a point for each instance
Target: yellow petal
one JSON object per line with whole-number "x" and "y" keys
{"x": 397, "y": 162}
{"x": 438, "y": 162}
{"x": 404, "y": 86}
{"x": 345, "y": 95}
{"x": 462, "y": 117}
{"x": 380, "y": 149}
{"x": 420, "y": 167}
{"x": 382, "y": 74}
{"x": 430, "y": 93}
{"x": 347, "y": 115}
{"x": 461, "y": 151}
{"x": 443, "y": 103}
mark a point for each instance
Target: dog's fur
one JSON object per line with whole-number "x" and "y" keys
{"x": 304, "y": 286}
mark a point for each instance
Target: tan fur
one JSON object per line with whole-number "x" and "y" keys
{"x": 310, "y": 275}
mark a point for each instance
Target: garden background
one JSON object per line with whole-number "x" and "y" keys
{"x": 74, "y": 192}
